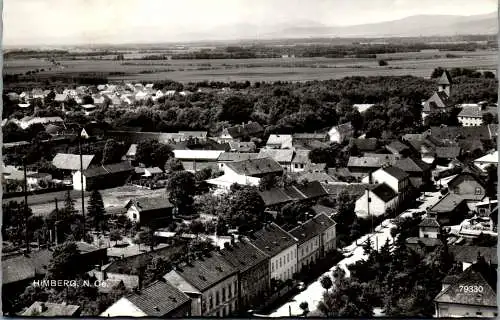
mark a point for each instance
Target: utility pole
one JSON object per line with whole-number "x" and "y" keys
{"x": 26, "y": 207}
{"x": 81, "y": 179}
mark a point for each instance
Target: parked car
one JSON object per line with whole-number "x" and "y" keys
{"x": 301, "y": 286}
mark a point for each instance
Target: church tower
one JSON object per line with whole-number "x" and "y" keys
{"x": 444, "y": 83}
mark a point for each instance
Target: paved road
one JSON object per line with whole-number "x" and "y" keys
{"x": 314, "y": 292}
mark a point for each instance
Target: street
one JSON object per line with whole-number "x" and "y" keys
{"x": 313, "y": 294}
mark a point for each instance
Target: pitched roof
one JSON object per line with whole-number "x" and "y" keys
{"x": 396, "y": 172}
{"x": 471, "y": 112}
{"x": 456, "y": 295}
{"x": 159, "y": 299}
{"x": 384, "y": 192}
{"x": 67, "y": 161}
{"x": 412, "y": 165}
{"x": 197, "y": 154}
{"x": 372, "y": 160}
{"x": 237, "y": 156}
{"x": 353, "y": 189}
{"x": 206, "y": 271}
{"x": 279, "y": 155}
{"x": 248, "y": 129}
{"x": 312, "y": 227}
{"x": 52, "y": 310}
{"x": 301, "y": 156}
{"x": 396, "y": 146}
{"x": 439, "y": 100}
{"x": 490, "y": 157}
{"x": 242, "y": 146}
{"x": 445, "y": 78}
{"x": 112, "y": 168}
{"x": 343, "y": 128}
{"x": 255, "y": 167}
{"x": 469, "y": 254}
{"x": 311, "y": 190}
{"x": 448, "y": 152}
{"x": 448, "y": 203}
{"x": 309, "y": 136}
{"x": 316, "y": 176}
{"x": 272, "y": 239}
{"x": 17, "y": 269}
{"x": 149, "y": 203}
{"x": 243, "y": 255}
{"x": 429, "y": 222}
{"x": 284, "y": 140}
{"x": 275, "y": 196}
{"x": 474, "y": 132}
{"x": 318, "y": 208}
{"x": 428, "y": 242}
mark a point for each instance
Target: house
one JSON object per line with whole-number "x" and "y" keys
{"x": 302, "y": 192}
{"x": 394, "y": 177}
{"x": 241, "y": 132}
{"x": 322, "y": 177}
{"x": 49, "y": 309}
{"x": 446, "y": 154}
{"x": 159, "y": 299}
{"x": 307, "y": 137}
{"x": 341, "y": 132}
{"x": 281, "y": 247}
{"x": 282, "y": 156}
{"x": 365, "y": 144}
{"x": 193, "y": 160}
{"x": 131, "y": 153}
{"x": 226, "y": 157}
{"x": 469, "y": 255}
{"x": 456, "y": 301}
{"x": 71, "y": 162}
{"x": 316, "y": 237}
{"x": 279, "y": 141}
{"x": 246, "y": 172}
{"x": 470, "y": 116}
{"x": 152, "y": 172}
{"x": 361, "y": 166}
{"x": 487, "y": 160}
{"x": 103, "y": 177}
{"x": 146, "y": 210}
{"x": 376, "y": 202}
{"x": 362, "y": 107}
{"x": 300, "y": 160}
{"x": 198, "y": 136}
{"x": 211, "y": 283}
{"x": 237, "y": 146}
{"x": 38, "y": 179}
{"x": 468, "y": 186}
{"x": 254, "y": 274}
{"x": 418, "y": 170}
{"x": 428, "y": 236}
{"x": 450, "y": 209}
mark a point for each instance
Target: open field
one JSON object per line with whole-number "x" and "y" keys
{"x": 290, "y": 69}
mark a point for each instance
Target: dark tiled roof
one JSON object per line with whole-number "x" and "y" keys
{"x": 149, "y": 203}
{"x": 370, "y": 144}
{"x": 428, "y": 242}
{"x": 159, "y": 299}
{"x": 243, "y": 255}
{"x": 275, "y": 196}
{"x": 396, "y": 172}
{"x": 52, "y": 310}
{"x": 475, "y": 132}
{"x": 447, "y": 152}
{"x": 456, "y": 295}
{"x": 397, "y": 146}
{"x": 445, "y": 78}
{"x": 384, "y": 192}
{"x": 318, "y": 208}
{"x": 207, "y": 271}
{"x": 242, "y": 146}
{"x": 310, "y": 190}
{"x": 102, "y": 170}
{"x": 316, "y": 176}
{"x": 310, "y": 136}
{"x": 248, "y": 129}
{"x": 279, "y": 155}
{"x": 312, "y": 227}
{"x": 255, "y": 167}
{"x": 353, "y": 189}
{"x": 412, "y": 165}
{"x": 272, "y": 239}
{"x": 471, "y": 112}
{"x": 448, "y": 203}
{"x": 17, "y": 269}
{"x": 429, "y": 222}
{"x": 464, "y": 176}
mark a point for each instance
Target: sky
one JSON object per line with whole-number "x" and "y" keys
{"x": 35, "y": 22}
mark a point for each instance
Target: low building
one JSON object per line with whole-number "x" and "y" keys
{"x": 254, "y": 275}
{"x": 148, "y": 210}
{"x": 468, "y": 186}
{"x": 238, "y": 146}
{"x": 160, "y": 299}
{"x": 71, "y": 162}
{"x": 419, "y": 171}
{"x": 103, "y": 177}
{"x": 450, "y": 209}
{"x": 241, "y": 132}
{"x": 282, "y": 156}
{"x": 376, "y": 202}
{"x": 226, "y": 157}
{"x": 470, "y": 116}
{"x": 49, "y": 309}
{"x": 194, "y": 160}
{"x": 341, "y": 133}
{"x": 487, "y": 160}
{"x": 211, "y": 283}
{"x": 300, "y": 161}
{"x": 279, "y": 141}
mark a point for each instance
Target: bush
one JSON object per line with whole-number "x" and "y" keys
{"x": 382, "y": 63}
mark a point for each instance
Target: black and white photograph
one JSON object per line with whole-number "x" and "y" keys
{"x": 249, "y": 158}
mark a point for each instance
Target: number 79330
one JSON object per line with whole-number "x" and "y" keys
{"x": 471, "y": 289}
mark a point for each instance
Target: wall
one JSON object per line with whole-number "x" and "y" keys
{"x": 254, "y": 285}
{"x": 467, "y": 186}
{"x": 329, "y": 239}
{"x": 130, "y": 281}
{"x": 377, "y": 206}
{"x": 308, "y": 252}
{"x": 431, "y": 232}
{"x": 77, "y": 181}
{"x": 458, "y": 310}
{"x": 225, "y": 306}
{"x": 380, "y": 176}
{"x": 288, "y": 258}
{"x": 470, "y": 122}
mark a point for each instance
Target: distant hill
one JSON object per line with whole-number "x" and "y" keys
{"x": 413, "y": 26}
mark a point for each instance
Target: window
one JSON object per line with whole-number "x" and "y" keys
{"x": 280, "y": 263}
{"x": 135, "y": 216}
{"x": 210, "y": 302}
{"x": 272, "y": 266}
{"x": 288, "y": 257}
{"x": 426, "y": 235}
{"x": 217, "y": 298}
{"x": 302, "y": 166}
{"x": 229, "y": 291}
{"x": 296, "y": 166}
{"x": 479, "y": 313}
{"x": 223, "y": 294}
{"x": 302, "y": 251}
{"x": 478, "y": 190}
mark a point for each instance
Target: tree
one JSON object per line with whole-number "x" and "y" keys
{"x": 64, "y": 262}
{"x": 174, "y": 164}
{"x": 95, "y": 209}
{"x": 152, "y": 153}
{"x": 488, "y": 75}
{"x": 305, "y": 308}
{"x": 326, "y": 282}
{"x": 69, "y": 205}
{"x": 115, "y": 235}
{"x": 181, "y": 189}
{"x": 147, "y": 237}
{"x": 488, "y": 118}
{"x": 382, "y": 63}
{"x": 111, "y": 152}
{"x": 247, "y": 208}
